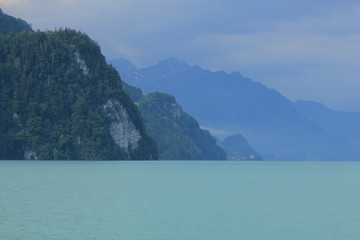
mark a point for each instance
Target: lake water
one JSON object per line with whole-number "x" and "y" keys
{"x": 179, "y": 200}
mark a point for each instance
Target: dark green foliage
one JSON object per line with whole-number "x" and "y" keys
{"x": 9, "y": 24}
{"x": 134, "y": 93}
{"x": 177, "y": 134}
{"x": 53, "y": 87}
{"x": 238, "y": 148}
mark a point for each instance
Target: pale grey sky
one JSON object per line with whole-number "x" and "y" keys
{"x": 305, "y": 49}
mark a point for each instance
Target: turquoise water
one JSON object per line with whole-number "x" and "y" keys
{"x": 179, "y": 200}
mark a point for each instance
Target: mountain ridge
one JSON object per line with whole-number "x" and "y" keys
{"x": 343, "y": 124}
{"x": 231, "y": 102}
{"x": 10, "y": 24}
{"x": 179, "y": 136}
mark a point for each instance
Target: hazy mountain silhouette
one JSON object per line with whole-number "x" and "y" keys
{"x": 342, "y": 124}
{"x": 235, "y": 104}
{"x": 237, "y": 148}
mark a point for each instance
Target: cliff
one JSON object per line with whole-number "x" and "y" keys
{"x": 60, "y": 100}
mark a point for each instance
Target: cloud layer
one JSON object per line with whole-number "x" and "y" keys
{"x": 306, "y": 49}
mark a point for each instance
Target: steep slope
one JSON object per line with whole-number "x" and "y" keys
{"x": 60, "y": 100}
{"x": 176, "y": 133}
{"x": 339, "y": 123}
{"x": 233, "y": 103}
{"x": 10, "y": 24}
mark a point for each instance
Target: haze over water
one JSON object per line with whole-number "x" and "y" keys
{"x": 179, "y": 200}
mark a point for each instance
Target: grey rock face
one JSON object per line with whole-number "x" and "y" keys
{"x": 30, "y": 155}
{"x": 122, "y": 129}
{"x": 82, "y": 64}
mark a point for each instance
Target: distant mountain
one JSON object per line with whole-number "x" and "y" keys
{"x": 235, "y": 104}
{"x": 125, "y": 65}
{"x": 342, "y": 124}
{"x": 10, "y": 24}
{"x": 177, "y": 134}
{"x": 237, "y": 148}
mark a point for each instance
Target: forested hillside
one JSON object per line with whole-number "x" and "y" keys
{"x": 177, "y": 134}
{"x": 10, "y": 24}
{"x": 60, "y": 100}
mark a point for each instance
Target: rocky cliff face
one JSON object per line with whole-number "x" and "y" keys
{"x": 122, "y": 129}
{"x": 30, "y": 155}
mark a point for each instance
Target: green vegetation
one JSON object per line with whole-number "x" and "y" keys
{"x": 176, "y": 133}
{"x": 9, "y": 24}
{"x": 54, "y": 86}
{"x": 134, "y": 93}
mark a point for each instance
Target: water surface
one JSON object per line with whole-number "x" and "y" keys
{"x": 179, "y": 200}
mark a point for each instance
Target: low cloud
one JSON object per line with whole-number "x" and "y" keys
{"x": 10, "y": 3}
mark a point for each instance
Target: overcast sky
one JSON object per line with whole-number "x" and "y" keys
{"x": 308, "y": 49}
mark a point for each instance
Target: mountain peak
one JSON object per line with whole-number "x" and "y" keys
{"x": 172, "y": 62}
{"x": 123, "y": 65}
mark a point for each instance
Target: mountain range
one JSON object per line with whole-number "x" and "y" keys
{"x": 231, "y": 103}
{"x": 179, "y": 136}
{"x": 60, "y": 100}
{"x": 343, "y": 124}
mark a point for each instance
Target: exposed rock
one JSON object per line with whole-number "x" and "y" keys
{"x": 82, "y": 63}
{"x": 30, "y": 155}
{"x": 122, "y": 129}
{"x": 175, "y": 110}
